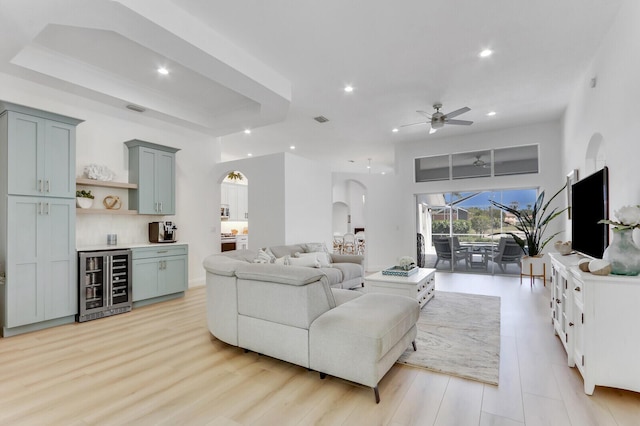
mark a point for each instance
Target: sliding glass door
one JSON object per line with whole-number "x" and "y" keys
{"x": 464, "y": 232}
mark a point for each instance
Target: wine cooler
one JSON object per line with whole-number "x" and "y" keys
{"x": 104, "y": 283}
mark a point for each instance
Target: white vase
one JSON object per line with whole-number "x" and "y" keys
{"x": 84, "y": 203}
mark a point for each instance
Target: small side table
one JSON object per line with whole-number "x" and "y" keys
{"x": 478, "y": 258}
{"x": 420, "y": 285}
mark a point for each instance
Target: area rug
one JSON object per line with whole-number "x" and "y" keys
{"x": 459, "y": 334}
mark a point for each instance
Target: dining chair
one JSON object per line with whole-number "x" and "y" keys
{"x": 349, "y": 243}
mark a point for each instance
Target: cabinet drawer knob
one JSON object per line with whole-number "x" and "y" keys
{"x": 570, "y": 324}
{"x": 577, "y": 289}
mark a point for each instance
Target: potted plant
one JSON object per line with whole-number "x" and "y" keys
{"x": 84, "y": 199}
{"x": 533, "y": 224}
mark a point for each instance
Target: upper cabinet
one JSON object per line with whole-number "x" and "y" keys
{"x": 41, "y": 146}
{"x": 153, "y": 168}
{"x": 235, "y": 197}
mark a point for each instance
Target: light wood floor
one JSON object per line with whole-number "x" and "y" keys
{"x": 159, "y": 365}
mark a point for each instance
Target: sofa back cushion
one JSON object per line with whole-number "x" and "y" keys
{"x": 290, "y": 250}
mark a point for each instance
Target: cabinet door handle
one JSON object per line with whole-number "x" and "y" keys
{"x": 40, "y": 208}
{"x": 48, "y": 186}
{"x": 163, "y": 251}
{"x": 577, "y": 289}
{"x": 558, "y": 301}
{"x": 160, "y": 206}
{"x": 46, "y": 209}
{"x": 570, "y": 324}
{"x": 40, "y": 187}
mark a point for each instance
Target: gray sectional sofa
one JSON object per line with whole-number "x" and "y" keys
{"x": 291, "y": 313}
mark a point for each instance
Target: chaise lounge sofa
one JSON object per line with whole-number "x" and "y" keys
{"x": 291, "y": 313}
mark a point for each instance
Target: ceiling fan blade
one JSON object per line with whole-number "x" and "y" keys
{"x": 426, "y": 114}
{"x": 462, "y": 122}
{"x": 457, "y": 112}
{"x": 413, "y": 124}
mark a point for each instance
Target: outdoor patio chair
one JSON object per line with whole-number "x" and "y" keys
{"x": 508, "y": 251}
{"x": 445, "y": 252}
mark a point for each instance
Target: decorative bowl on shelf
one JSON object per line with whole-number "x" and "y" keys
{"x": 84, "y": 203}
{"x": 563, "y": 248}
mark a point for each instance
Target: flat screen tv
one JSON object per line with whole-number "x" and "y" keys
{"x": 589, "y": 204}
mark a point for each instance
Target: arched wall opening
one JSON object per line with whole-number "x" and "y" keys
{"x": 234, "y": 210}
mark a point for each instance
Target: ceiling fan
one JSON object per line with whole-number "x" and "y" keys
{"x": 480, "y": 163}
{"x": 438, "y": 119}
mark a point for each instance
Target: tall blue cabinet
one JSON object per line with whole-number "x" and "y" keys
{"x": 37, "y": 219}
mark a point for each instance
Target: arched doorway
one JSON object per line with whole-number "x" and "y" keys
{"x": 234, "y": 211}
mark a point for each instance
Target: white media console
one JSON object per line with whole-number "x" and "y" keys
{"x": 597, "y": 319}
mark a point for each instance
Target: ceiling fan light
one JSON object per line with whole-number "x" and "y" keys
{"x": 432, "y": 130}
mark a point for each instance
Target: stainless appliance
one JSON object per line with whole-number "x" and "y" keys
{"x": 104, "y": 283}
{"x": 162, "y": 232}
{"x": 224, "y": 212}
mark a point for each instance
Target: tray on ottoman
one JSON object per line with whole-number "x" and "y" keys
{"x": 398, "y": 271}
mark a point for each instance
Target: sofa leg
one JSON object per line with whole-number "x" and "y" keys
{"x": 415, "y": 349}
{"x": 323, "y": 376}
{"x": 377, "y": 394}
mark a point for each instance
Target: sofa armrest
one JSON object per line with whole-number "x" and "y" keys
{"x": 347, "y": 258}
{"x": 280, "y": 274}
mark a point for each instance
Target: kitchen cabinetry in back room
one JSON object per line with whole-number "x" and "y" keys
{"x": 153, "y": 168}
{"x": 37, "y": 219}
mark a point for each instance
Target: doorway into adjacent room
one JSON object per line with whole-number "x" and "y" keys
{"x": 234, "y": 211}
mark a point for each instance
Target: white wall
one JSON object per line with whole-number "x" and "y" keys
{"x": 610, "y": 109}
{"x": 99, "y": 139}
{"x": 289, "y": 199}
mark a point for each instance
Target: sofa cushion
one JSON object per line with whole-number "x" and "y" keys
{"x": 264, "y": 257}
{"x": 333, "y": 275}
{"x": 290, "y": 250}
{"x": 244, "y": 255}
{"x": 343, "y": 296}
{"x": 222, "y": 265}
{"x": 314, "y": 247}
{"x": 349, "y": 271}
{"x": 290, "y": 275}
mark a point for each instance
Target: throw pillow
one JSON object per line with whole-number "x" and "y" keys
{"x": 284, "y": 260}
{"x": 309, "y": 261}
{"x": 264, "y": 257}
{"x": 323, "y": 258}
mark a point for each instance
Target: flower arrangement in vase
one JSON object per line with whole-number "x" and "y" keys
{"x": 622, "y": 253}
{"x": 406, "y": 262}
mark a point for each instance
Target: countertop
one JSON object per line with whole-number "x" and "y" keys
{"x": 122, "y": 246}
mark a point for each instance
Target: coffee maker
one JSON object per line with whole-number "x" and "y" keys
{"x": 162, "y": 232}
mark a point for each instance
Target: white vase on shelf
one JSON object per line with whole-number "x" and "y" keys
{"x": 84, "y": 202}
{"x": 623, "y": 254}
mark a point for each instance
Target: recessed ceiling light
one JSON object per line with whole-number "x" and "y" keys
{"x": 491, "y": 113}
{"x": 383, "y": 173}
{"x": 249, "y": 155}
{"x": 292, "y": 147}
{"x": 348, "y": 88}
{"x": 486, "y": 53}
{"x": 163, "y": 71}
{"x": 247, "y": 131}
{"x": 394, "y": 130}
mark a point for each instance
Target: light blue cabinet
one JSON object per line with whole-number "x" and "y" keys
{"x": 42, "y": 156}
{"x": 159, "y": 273}
{"x": 41, "y": 260}
{"x": 153, "y": 168}
{"x": 37, "y": 219}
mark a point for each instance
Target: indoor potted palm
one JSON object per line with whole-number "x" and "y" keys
{"x": 533, "y": 224}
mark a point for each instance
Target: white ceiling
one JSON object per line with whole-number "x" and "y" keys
{"x": 274, "y": 65}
